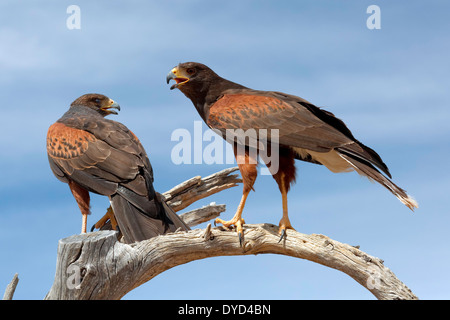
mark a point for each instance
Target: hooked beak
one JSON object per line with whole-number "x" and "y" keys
{"x": 179, "y": 76}
{"x": 111, "y": 105}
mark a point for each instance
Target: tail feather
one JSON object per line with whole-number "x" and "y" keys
{"x": 136, "y": 224}
{"x": 364, "y": 168}
{"x": 174, "y": 221}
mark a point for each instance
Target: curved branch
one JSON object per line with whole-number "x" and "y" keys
{"x": 108, "y": 269}
{"x": 98, "y": 266}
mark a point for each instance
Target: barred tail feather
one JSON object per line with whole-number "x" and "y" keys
{"x": 366, "y": 169}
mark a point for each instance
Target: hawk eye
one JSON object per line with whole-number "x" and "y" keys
{"x": 97, "y": 100}
{"x": 190, "y": 71}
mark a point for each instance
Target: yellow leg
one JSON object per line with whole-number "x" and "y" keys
{"x": 84, "y": 223}
{"x": 284, "y": 222}
{"x": 100, "y": 223}
{"x": 237, "y": 219}
{"x": 112, "y": 218}
{"x": 109, "y": 215}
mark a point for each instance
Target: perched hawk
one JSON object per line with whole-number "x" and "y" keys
{"x": 94, "y": 154}
{"x": 305, "y": 132}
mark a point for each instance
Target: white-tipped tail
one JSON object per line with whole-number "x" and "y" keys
{"x": 367, "y": 170}
{"x": 409, "y": 202}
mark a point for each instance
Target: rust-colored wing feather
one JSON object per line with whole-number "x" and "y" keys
{"x": 104, "y": 157}
{"x": 78, "y": 155}
{"x": 299, "y": 124}
{"x": 296, "y": 125}
{"x": 312, "y": 132}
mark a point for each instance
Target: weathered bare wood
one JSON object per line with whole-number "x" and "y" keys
{"x": 11, "y": 288}
{"x": 203, "y": 214}
{"x": 97, "y": 266}
{"x": 109, "y": 269}
{"x": 198, "y": 188}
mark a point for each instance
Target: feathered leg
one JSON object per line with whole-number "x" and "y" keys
{"x": 82, "y": 197}
{"x": 284, "y": 177}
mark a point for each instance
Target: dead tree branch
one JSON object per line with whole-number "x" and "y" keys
{"x": 97, "y": 266}
{"x": 11, "y": 288}
{"x": 197, "y": 188}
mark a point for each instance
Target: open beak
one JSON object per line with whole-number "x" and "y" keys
{"x": 179, "y": 76}
{"x": 111, "y": 105}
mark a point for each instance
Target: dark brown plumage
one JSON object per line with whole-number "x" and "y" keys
{"x": 94, "y": 154}
{"x": 306, "y": 132}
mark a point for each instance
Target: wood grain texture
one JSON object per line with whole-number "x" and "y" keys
{"x": 109, "y": 269}
{"x": 196, "y": 188}
{"x": 11, "y": 288}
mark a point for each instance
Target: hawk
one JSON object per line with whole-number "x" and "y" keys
{"x": 94, "y": 154}
{"x": 304, "y": 132}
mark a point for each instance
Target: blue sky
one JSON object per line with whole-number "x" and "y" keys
{"x": 390, "y": 86}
